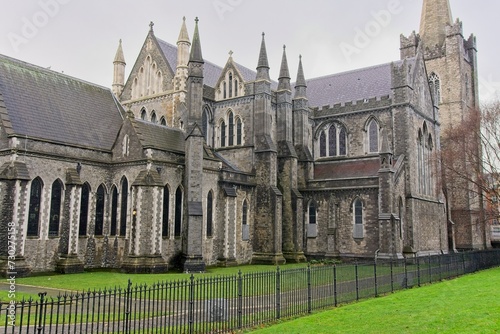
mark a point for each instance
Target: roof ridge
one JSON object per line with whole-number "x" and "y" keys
{"x": 26, "y": 64}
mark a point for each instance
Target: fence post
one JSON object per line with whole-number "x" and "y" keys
{"x": 240, "y": 299}
{"x": 278, "y": 293}
{"x": 191, "y": 304}
{"x": 128, "y": 297}
{"x": 335, "y": 284}
{"x": 418, "y": 271}
{"x": 41, "y": 322}
{"x": 357, "y": 281}
{"x": 309, "y": 293}
{"x": 392, "y": 277}
{"x": 375, "y": 277}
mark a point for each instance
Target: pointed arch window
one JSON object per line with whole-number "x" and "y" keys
{"x": 210, "y": 203}
{"x": 34, "y": 208}
{"x": 235, "y": 87}
{"x": 144, "y": 114}
{"x": 333, "y": 141}
{"x": 99, "y": 211}
{"x": 124, "y": 208}
{"x": 165, "y": 213}
{"x": 178, "y": 213}
{"x": 224, "y": 89}
{"x": 332, "y": 147}
{"x": 312, "y": 229}
{"x": 84, "y": 210}
{"x": 163, "y": 121}
{"x": 358, "y": 232}
{"x": 222, "y": 134}
{"x": 230, "y": 85}
{"x": 401, "y": 217}
{"x": 239, "y": 131}
{"x": 245, "y": 229}
{"x": 114, "y": 211}
{"x": 435, "y": 86}
{"x": 373, "y": 137}
{"x": 55, "y": 208}
{"x": 322, "y": 144}
{"x": 231, "y": 129}
{"x": 153, "y": 117}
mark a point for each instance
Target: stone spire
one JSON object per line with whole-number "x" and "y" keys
{"x": 183, "y": 34}
{"x": 119, "y": 71}
{"x": 284, "y": 79}
{"x": 436, "y": 15}
{"x": 196, "y": 55}
{"x": 183, "y": 45}
{"x": 300, "y": 84}
{"x": 263, "y": 65}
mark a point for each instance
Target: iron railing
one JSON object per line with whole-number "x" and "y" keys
{"x": 229, "y": 303}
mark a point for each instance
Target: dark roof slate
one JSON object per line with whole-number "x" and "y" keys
{"x": 365, "y": 83}
{"x": 159, "y": 136}
{"x": 347, "y": 169}
{"x": 51, "y": 106}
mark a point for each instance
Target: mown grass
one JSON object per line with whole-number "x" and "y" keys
{"x": 469, "y": 304}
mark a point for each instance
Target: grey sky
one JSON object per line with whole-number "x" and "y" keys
{"x": 80, "y": 37}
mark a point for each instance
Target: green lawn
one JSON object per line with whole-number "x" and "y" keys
{"x": 469, "y": 304}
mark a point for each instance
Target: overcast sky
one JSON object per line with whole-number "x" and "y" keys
{"x": 80, "y": 37}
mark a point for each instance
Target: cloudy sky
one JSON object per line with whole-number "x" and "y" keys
{"x": 80, "y": 37}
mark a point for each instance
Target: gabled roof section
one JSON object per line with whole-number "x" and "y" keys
{"x": 212, "y": 72}
{"x": 51, "y": 106}
{"x": 365, "y": 83}
{"x": 158, "y": 136}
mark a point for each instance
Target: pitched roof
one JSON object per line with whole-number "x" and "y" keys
{"x": 212, "y": 72}
{"x": 369, "y": 82}
{"x": 347, "y": 169}
{"x": 159, "y": 136}
{"x": 51, "y": 106}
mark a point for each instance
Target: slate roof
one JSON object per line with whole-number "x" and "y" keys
{"x": 212, "y": 72}
{"x": 51, "y": 106}
{"x": 347, "y": 169}
{"x": 365, "y": 83}
{"x": 159, "y": 136}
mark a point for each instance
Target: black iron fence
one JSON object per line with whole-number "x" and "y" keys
{"x": 229, "y": 303}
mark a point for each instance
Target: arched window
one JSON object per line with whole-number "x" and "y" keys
{"x": 231, "y": 129}
{"x": 222, "y": 134}
{"x": 322, "y": 144}
{"x": 435, "y": 86}
{"x": 312, "y": 229}
{"x": 245, "y": 230}
{"x": 373, "y": 137}
{"x": 99, "y": 211}
{"x": 204, "y": 123}
{"x": 178, "y": 213}
{"x": 55, "y": 208}
{"x": 333, "y": 142}
{"x": 332, "y": 147}
{"x": 163, "y": 121}
{"x": 165, "y": 213}
{"x": 153, "y": 117}
{"x": 224, "y": 89}
{"x": 230, "y": 85}
{"x": 123, "y": 208}
{"x": 114, "y": 211}
{"x": 401, "y": 217}
{"x": 84, "y": 210}
{"x": 34, "y": 208}
{"x": 210, "y": 203}
{"x": 236, "y": 87}
{"x": 144, "y": 114}
{"x": 125, "y": 146}
{"x": 239, "y": 131}
{"x": 358, "y": 232}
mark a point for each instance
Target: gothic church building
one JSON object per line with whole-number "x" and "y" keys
{"x": 186, "y": 163}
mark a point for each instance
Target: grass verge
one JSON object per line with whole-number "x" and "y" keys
{"x": 469, "y": 304}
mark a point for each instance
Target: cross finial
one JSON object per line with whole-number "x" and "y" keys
{"x": 151, "y": 24}
{"x": 230, "y": 53}
{"x": 196, "y": 20}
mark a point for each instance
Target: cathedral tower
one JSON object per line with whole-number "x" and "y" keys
{"x": 451, "y": 62}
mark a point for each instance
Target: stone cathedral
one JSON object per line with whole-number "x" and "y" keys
{"x": 190, "y": 164}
